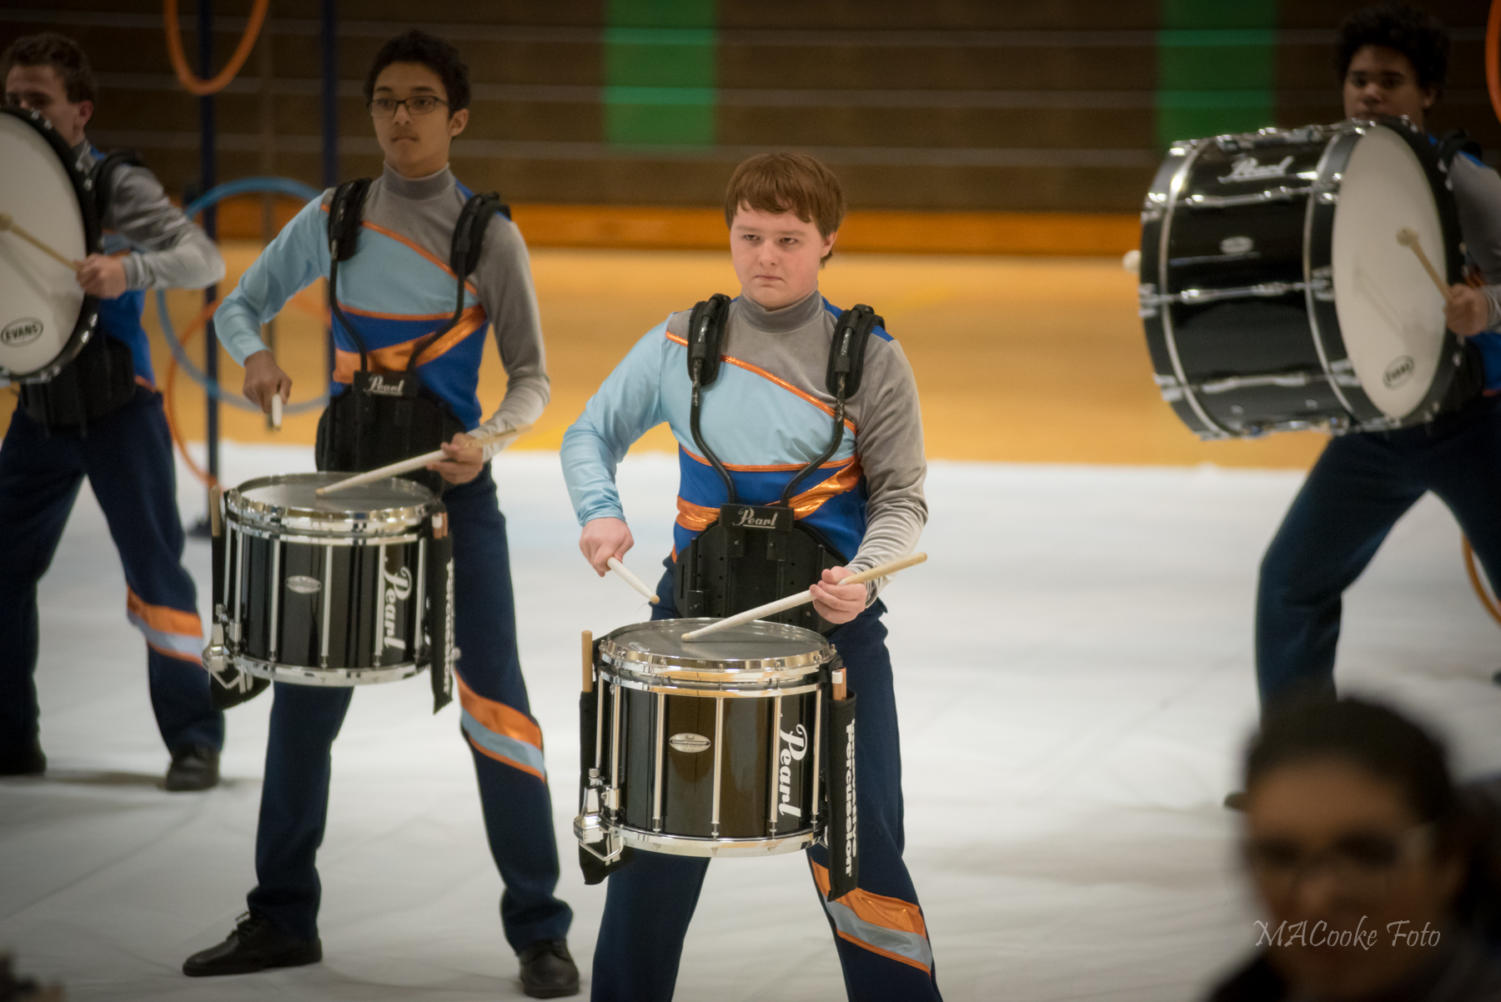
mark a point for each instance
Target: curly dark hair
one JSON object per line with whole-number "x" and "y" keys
{"x": 1418, "y": 35}
{"x": 59, "y": 52}
{"x": 437, "y": 55}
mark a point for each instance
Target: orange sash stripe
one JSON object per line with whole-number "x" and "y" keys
{"x": 394, "y": 358}
{"x": 775, "y": 379}
{"x": 413, "y": 248}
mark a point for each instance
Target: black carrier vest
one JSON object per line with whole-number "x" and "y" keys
{"x": 385, "y": 417}
{"x": 102, "y": 377}
{"x": 753, "y": 554}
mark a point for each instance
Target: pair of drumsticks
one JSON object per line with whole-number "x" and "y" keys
{"x": 770, "y": 608}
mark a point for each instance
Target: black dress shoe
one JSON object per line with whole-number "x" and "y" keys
{"x": 24, "y": 761}
{"x": 255, "y": 945}
{"x": 548, "y": 971}
{"x": 194, "y": 768}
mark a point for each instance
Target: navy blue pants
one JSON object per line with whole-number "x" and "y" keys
{"x": 127, "y": 457}
{"x": 494, "y": 718}
{"x": 1360, "y": 486}
{"x": 878, "y": 928}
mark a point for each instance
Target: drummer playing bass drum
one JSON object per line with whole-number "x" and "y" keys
{"x": 101, "y": 416}
{"x": 832, "y": 438}
{"x": 1392, "y": 61}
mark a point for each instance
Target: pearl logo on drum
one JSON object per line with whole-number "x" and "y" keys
{"x": 23, "y": 331}
{"x": 793, "y": 748}
{"x": 1399, "y": 372}
{"x": 1249, "y": 169}
{"x": 304, "y": 585}
{"x": 399, "y": 588}
{"x": 688, "y": 744}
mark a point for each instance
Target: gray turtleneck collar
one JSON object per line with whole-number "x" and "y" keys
{"x": 417, "y": 188}
{"x": 788, "y": 318}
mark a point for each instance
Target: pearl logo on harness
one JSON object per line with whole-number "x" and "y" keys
{"x": 793, "y": 749}
{"x": 398, "y": 589}
{"x": 380, "y": 386}
{"x": 749, "y": 520}
{"x": 1249, "y": 169}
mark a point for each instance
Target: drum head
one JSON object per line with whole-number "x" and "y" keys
{"x": 659, "y": 644}
{"x": 44, "y": 314}
{"x": 1391, "y": 316}
{"x": 294, "y": 497}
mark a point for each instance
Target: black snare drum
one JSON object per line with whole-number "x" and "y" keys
{"x": 332, "y": 590}
{"x": 709, "y": 747}
{"x": 45, "y": 316}
{"x": 1273, "y": 289}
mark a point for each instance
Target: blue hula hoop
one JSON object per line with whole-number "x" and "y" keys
{"x": 241, "y": 186}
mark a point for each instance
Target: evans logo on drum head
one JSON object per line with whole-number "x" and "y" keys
{"x": 304, "y": 585}
{"x": 23, "y": 331}
{"x": 1399, "y": 372}
{"x": 690, "y": 744}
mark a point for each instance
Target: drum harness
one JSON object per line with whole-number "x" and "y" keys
{"x": 102, "y": 378}
{"x": 751, "y": 554}
{"x": 410, "y": 418}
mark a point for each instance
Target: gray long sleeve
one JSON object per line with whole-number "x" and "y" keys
{"x": 168, "y": 250}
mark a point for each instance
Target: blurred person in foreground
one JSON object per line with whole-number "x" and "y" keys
{"x": 1375, "y": 873}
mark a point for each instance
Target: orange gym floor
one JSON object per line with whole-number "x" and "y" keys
{"x": 1018, "y": 359}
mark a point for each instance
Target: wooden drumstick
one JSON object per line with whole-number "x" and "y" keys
{"x": 7, "y": 223}
{"x": 640, "y": 586}
{"x": 276, "y": 411}
{"x": 588, "y": 645}
{"x": 1408, "y": 238}
{"x": 841, "y": 688}
{"x": 414, "y": 463}
{"x": 803, "y": 597}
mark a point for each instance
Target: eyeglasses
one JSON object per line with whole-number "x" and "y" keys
{"x": 1362, "y": 862}
{"x": 417, "y": 104}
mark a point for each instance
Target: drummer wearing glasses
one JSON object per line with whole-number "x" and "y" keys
{"x": 101, "y": 417}
{"x": 407, "y": 362}
{"x": 771, "y": 425}
{"x": 1392, "y": 60}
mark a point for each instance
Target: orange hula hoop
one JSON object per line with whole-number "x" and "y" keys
{"x": 169, "y": 408}
{"x": 185, "y": 75}
{"x": 1475, "y": 582}
{"x": 1493, "y": 56}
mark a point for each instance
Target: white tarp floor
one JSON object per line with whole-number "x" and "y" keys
{"x": 1074, "y": 681}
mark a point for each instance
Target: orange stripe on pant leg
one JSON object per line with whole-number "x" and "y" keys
{"x": 162, "y": 618}
{"x": 877, "y": 909}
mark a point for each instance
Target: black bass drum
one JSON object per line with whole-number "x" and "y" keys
{"x": 1274, "y": 291}
{"x": 45, "y": 316}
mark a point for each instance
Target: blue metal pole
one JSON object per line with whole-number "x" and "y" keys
{"x": 330, "y": 127}
{"x": 206, "y": 171}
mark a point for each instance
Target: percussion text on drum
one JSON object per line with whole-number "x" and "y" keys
{"x": 851, "y": 837}
{"x": 794, "y": 748}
